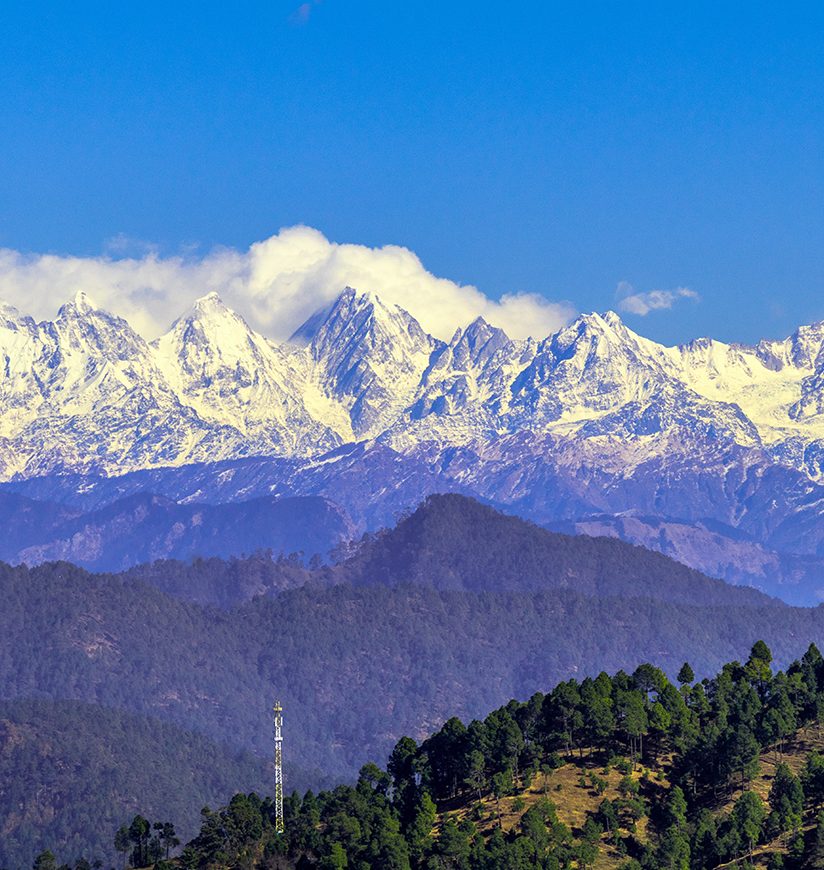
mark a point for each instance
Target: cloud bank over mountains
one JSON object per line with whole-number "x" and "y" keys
{"x": 277, "y": 283}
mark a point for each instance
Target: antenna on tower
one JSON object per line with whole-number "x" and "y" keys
{"x": 278, "y": 710}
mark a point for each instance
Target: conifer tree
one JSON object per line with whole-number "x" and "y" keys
{"x": 420, "y": 833}
{"x": 786, "y": 801}
{"x": 748, "y": 819}
{"x": 686, "y": 676}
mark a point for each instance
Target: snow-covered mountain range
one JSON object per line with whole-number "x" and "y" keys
{"x": 366, "y": 408}
{"x": 86, "y": 393}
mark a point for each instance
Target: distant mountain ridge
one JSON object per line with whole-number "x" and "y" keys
{"x": 364, "y": 408}
{"x": 83, "y": 392}
{"x": 454, "y": 543}
{"x": 141, "y": 527}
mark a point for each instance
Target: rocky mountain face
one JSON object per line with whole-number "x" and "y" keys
{"x": 366, "y": 409}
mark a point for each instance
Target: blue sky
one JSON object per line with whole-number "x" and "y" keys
{"x": 530, "y": 147}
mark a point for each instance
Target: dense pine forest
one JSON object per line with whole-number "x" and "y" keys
{"x": 68, "y": 769}
{"x": 628, "y": 771}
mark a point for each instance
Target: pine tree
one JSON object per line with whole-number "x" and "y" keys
{"x": 45, "y": 861}
{"x": 122, "y": 842}
{"x": 139, "y": 832}
{"x": 335, "y": 859}
{"x": 675, "y": 810}
{"x": 748, "y": 818}
{"x": 674, "y": 850}
{"x": 420, "y": 832}
{"x": 786, "y": 801}
{"x": 476, "y": 776}
{"x": 686, "y": 676}
{"x": 167, "y": 836}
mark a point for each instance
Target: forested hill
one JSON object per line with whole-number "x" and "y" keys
{"x": 452, "y": 542}
{"x": 455, "y": 542}
{"x": 629, "y": 771}
{"x": 357, "y": 666}
{"x": 70, "y": 770}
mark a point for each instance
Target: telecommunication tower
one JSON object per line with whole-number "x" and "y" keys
{"x": 278, "y": 710}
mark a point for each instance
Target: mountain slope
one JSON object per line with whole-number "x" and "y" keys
{"x": 771, "y": 513}
{"x": 369, "y": 357}
{"x": 453, "y": 542}
{"x": 362, "y": 369}
{"x": 54, "y": 752}
{"x": 518, "y": 604}
{"x": 621, "y": 771}
{"x": 144, "y": 527}
{"x": 410, "y": 649}
{"x": 714, "y": 549}
{"x": 227, "y": 373}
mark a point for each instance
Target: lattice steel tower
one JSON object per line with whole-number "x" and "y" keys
{"x": 278, "y": 768}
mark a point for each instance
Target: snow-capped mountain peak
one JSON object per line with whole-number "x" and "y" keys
{"x": 595, "y": 363}
{"x": 84, "y": 335}
{"x": 806, "y": 346}
{"x": 234, "y": 377}
{"x": 86, "y": 391}
{"x": 80, "y": 304}
{"x": 370, "y": 356}
{"x": 12, "y": 319}
{"x": 210, "y": 336}
{"x": 479, "y": 334}
{"x": 210, "y": 300}
{"x": 366, "y": 317}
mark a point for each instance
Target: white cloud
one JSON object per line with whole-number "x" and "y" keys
{"x": 276, "y": 284}
{"x": 652, "y": 300}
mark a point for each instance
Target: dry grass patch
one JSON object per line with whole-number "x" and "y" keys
{"x": 573, "y": 801}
